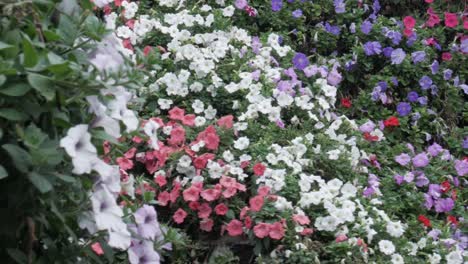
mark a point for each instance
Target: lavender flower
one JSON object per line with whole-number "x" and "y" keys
{"x": 398, "y": 179}
{"x": 461, "y": 166}
{"x": 276, "y": 5}
{"x": 300, "y": 61}
{"x": 397, "y": 56}
{"x": 403, "y": 159}
{"x": 334, "y": 77}
{"x": 444, "y": 205}
{"x": 403, "y": 109}
{"x": 428, "y": 201}
{"x": 422, "y": 100}
{"x": 418, "y": 56}
{"x": 372, "y": 48}
{"x": 435, "y": 67}
{"x": 335, "y": 30}
{"x": 434, "y": 233}
{"x": 420, "y": 160}
{"x": 340, "y": 6}
{"x": 297, "y": 13}
{"x": 387, "y": 51}
{"x": 394, "y": 36}
{"x": 240, "y": 4}
{"x": 143, "y": 254}
{"x": 425, "y": 82}
{"x": 434, "y": 190}
{"x": 412, "y": 96}
{"x": 465, "y": 143}
{"x": 422, "y": 180}
{"x": 447, "y": 74}
{"x": 366, "y": 27}
{"x": 146, "y": 219}
{"x": 434, "y": 149}
{"x": 367, "y": 127}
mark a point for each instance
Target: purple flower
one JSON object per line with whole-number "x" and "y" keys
{"x": 340, "y": 6}
{"x": 368, "y": 192}
{"x": 418, "y": 56}
{"x": 434, "y": 233}
{"x": 447, "y": 74}
{"x": 383, "y": 85}
{"x": 311, "y": 70}
{"x": 367, "y": 127}
{"x": 434, "y": 190}
{"x": 256, "y": 45}
{"x": 409, "y": 177}
{"x": 465, "y": 143}
{"x": 394, "y": 36}
{"x": 428, "y": 201}
{"x": 335, "y": 30}
{"x": 412, "y": 96}
{"x": 279, "y": 123}
{"x": 397, "y": 56}
{"x": 422, "y": 100}
{"x": 334, "y": 77}
{"x": 412, "y": 39}
{"x": 444, "y": 205}
{"x": 300, "y": 61}
{"x": 372, "y": 48}
{"x": 435, "y": 67}
{"x": 434, "y": 149}
{"x": 461, "y": 166}
{"x": 366, "y": 27}
{"x": 464, "y": 46}
{"x": 422, "y": 180}
{"x": 398, "y": 179}
{"x": 376, "y": 6}
{"x": 297, "y": 13}
{"x": 420, "y": 160}
{"x": 147, "y": 222}
{"x": 143, "y": 254}
{"x": 240, "y": 4}
{"x": 403, "y": 109}
{"x": 403, "y": 159}
{"x": 394, "y": 80}
{"x": 276, "y": 5}
{"x": 387, "y": 52}
{"x": 425, "y": 82}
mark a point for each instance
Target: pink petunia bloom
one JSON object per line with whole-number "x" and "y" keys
{"x": 189, "y": 120}
{"x": 259, "y": 169}
{"x": 301, "y": 219}
{"x": 277, "y": 231}
{"x": 160, "y": 180}
{"x": 207, "y": 224}
{"x": 164, "y": 198}
{"x": 451, "y": 20}
{"x": 234, "y": 228}
{"x": 176, "y": 113}
{"x": 446, "y": 56}
{"x": 221, "y": 209}
{"x": 229, "y": 192}
{"x": 179, "y": 216}
{"x": 96, "y": 247}
{"x": 263, "y": 190}
{"x": 226, "y": 121}
{"x": 191, "y": 194}
{"x": 204, "y": 210}
{"x": 177, "y": 136}
{"x": 261, "y": 230}
{"x": 210, "y": 194}
{"x": 409, "y": 22}
{"x": 124, "y": 163}
{"x": 256, "y": 203}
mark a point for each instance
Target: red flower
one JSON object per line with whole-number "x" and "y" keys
{"x": 446, "y": 56}
{"x": 369, "y": 137}
{"x": 409, "y": 22}
{"x": 179, "y": 216}
{"x": 451, "y": 20}
{"x": 234, "y": 228}
{"x": 452, "y": 219}
{"x": 346, "y": 102}
{"x": 391, "y": 122}
{"x": 445, "y": 186}
{"x": 424, "y": 220}
{"x": 259, "y": 169}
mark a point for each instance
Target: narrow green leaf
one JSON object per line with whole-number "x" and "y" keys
{"x": 21, "y": 158}
{"x": 4, "y": 45}
{"x": 40, "y": 181}
{"x": 30, "y": 54}
{"x": 13, "y": 114}
{"x": 2, "y": 79}
{"x": 17, "y": 255}
{"x": 3, "y": 172}
{"x": 43, "y": 85}
{"x": 17, "y": 89}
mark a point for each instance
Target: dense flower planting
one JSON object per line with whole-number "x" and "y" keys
{"x": 233, "y": 132}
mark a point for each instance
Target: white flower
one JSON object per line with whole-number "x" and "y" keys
{"x": 241, "y": 143}
{"x": 284, "y": 99}
{"x": 395, "y": 229}
{"x": 130, "y": 9}
{"x": 107, "y": 213}
{"x": 348, "y": 190}
{"x": 150, "y": 130}
{"x": 454, "y": 257}
{"x": 397, "y": 259}
{"x": 110, "y": 125}
{"x": 119, "y": 111}
{"x": 334, "y": 154}
{"x": 119, "y": 238}
{"x": 78, "y": 141}
{"x": 199, "y": 121}
{"x": 102, "y": 3}
{"x": 228, "y": 11}
{"x": 434, "y": 258}
{"x": 198, "y": 106}
{"x": 386, "y": 247}
{"x": 164, "y": 103}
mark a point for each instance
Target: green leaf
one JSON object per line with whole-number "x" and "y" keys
{"x": 2, "y": 79}
{"x": 33, "y": 136}
{"x": 30, "y": 54}
{"x": 17, "y": 89}
{"x": 65, "y": 178}
{"x": 21, "y": 158}
{"x": 40, "y": 181}
{"x": 4, "y": 45}
{"x": 17, "y": 255}
{"x": 3, "y": 172}
{"x": 42, "y": 84}
{"x": 54, "y": 58}
{"x": 101, "y": 134}
{"x": 13, "y": 114}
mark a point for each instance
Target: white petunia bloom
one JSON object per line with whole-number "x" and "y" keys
{"x": 241, "y": 143}
{"x": 106, "y": 211}
{"x": 454, "y": 257}
{"x": 395, "y": 229}
{"x": 150, "y": 130}
{"x": 386, "y": 247}
{"x": 397, "y": 259}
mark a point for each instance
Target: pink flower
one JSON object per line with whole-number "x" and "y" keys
{"x": 276, "y": 231}
{"x": 189, "y": 120}
{"x": 256, "y": 203}
{"x": 261, "y": 230}
{"x": 210, "y": 194}
{"x": 243, "y": 212}
{"x": 179, "y": 216}
{"x": 221, "y": 209}
{"x": 234, "y": 228}
{"x": 248, "y": 222}
{"x": 124, "y": 163}
{"x": 429, "y": 1}
{"x": 301, "y": 219}
{"x": 96, "y": 247}
{"x": 409, "y": 22}
{"x": 307, "y": 231}
{"x": 240, "y": 187}
{"x": 204, "y": 210}
{"x": 147, "y": 50}
{"x": 341, "y": 238}
{"x": 259, "y": 169}
{"x": 164, "y": 198}
{"x": 228, "y": 182}
{"x": 446, "y": 56}
{"x": 206, "y": 224}
{"x": 160, "y": 180}
{"x": 263, "y": 190}
{"x": 226, "y": 121}
{"x": 194, "y": 205}
{"x": 451, "y": 20}
{"x": 137, "y": 139}
{"x": 177, "y": 136}
{"x": 191, "y": 194}
{"x": 130, "y": 153}
{"x": 201, "y": 161}
{"x": 210, "y": 137}
{"x": 176, "y": 113}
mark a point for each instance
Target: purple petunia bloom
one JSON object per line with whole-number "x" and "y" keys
{"x": 394, "y": 36}
{"x": 300, "y": 61}
{"x": 403, "y": 159}
{"x": 418, "y": 56}
{"x": 143, "y": 254}
{"x": 409, "y": 177}
{"x": 147, "y": 222}
{"x": 428, "y": 201}
{"x": 422, "y": 180}
{"x": 435, "y": 67}
{"x": 420, "y": 160}
{"x": 276, "y": 5}
{"x": 465, "y": 143}
{"x": 335, "y": 30}
{"x": 340, "y": 6}
{"x": 403, "y": 109}
{"x": 366, "y": 27}
{"x": 394, "y": 80}
{"x": 434, "y": 233}
{"x": 434, "y": 149}
{"x": 447, "y": 74}
{"x": 240, "y": 4}
{"x": 422, "y": 100}
{"x": 412, "y": 96}
{"x": 398, "y": 179}
{"x": 412, "y": 39}
{"x": 334, "y": 77}
{"x": 297, "y": 13}
{"x": 376, "y": 6}
{"x": 372, "y": 48}
{"x": 444, "y": 205}
{"x": 397, "y": 56}
{"x": 461, "y": 166}
{"x": 383, "y": 85}
{"x": 368, "y": 192}
{"x": 367, "y": 127}
{"x": 387, "y": 52}
{"x": 425, "y": 82}
{"x": 256, "y": 45}
{"x": 434, "y": 190}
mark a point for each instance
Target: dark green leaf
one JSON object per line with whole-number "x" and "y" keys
{"x": 3, "y": 172}
{"x": 65, "y": 178}
{"x": 17, "y": 89}
{"x": 40, "y": 181}
{"x": 2, "y": 79}
{"x": 17, "y": 255}
{"x": 43, "y": 85}
{"x": 30, "y": 54}
{"x": 33, "y": 136}
{"x": 54, "y": 58}
{"x": 20, "y": 157}
{"x": 12, "y": 114}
